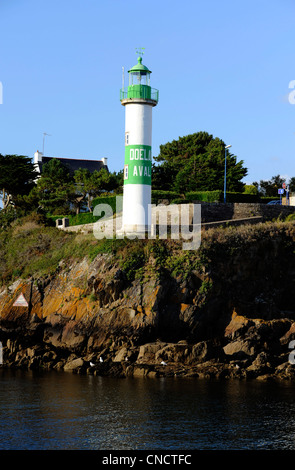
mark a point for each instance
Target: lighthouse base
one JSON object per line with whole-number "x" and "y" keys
{"x": 136, "y": 208}
{"x": 134, "y": 231}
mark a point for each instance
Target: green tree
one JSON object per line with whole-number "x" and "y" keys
{"x": 250, "y": 189}
{"x": 269, "y": 188}
{"x": 100, "y": 182}
{"x": 196, "y": 162}
{"x": 17, "y": 177}
{"x": 7, "y": 216}
{"x": 27, "y": 203}
{"x": 292, "y": 184}
{"x": 82, "y": 179}
{"x": 90, "y": 185}
{"x": 118, "y": 182}
{"x": 55, "y": 187}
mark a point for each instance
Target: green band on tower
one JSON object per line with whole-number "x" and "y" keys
{"x": 138, "y": 164}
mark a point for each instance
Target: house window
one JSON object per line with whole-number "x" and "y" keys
{"x": 126, "y": 138}
{"x": 125, "y": 172}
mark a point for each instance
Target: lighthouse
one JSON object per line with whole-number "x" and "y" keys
{"x": 138, "y": 99}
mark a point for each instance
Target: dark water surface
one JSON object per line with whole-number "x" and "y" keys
{"x": 61, "y": 410}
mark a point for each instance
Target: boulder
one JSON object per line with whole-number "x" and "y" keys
{"x": 121, "y": 355}
{"x": 261, "y": 365}
{"x": 147, "y": 352}
{"x": 74, "y": 365}
{"x": 174, "y": 352}
{"x": 289, "y": 335}
{"x": 240, "y": 349}
{"x": 63, "y": 333}
{"x": 202, "y": 351}
{"x": 237, "y": 326}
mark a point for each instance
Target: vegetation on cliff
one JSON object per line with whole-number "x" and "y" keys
{"x": 32, "y": 247}
{"x": 227, "y": 307}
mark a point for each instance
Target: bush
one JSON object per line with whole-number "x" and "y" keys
{"x": 110, "y": 200}
{"x": 133, "y": 263}
{"x": 179, "y": 201}
{"x": 7, "y": 217}
{"x": 158, "y": 195}
{"x": 250, "y": 189}
{"x": 82, "y": 218}
{"x": 78, "y": 219}
{"x": 217, "y": 196}
{"x": 205, "y": 196}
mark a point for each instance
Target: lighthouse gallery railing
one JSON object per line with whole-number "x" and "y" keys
{"x": 140, "y": 92}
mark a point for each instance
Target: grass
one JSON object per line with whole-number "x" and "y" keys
{"x": 31, "y": 248}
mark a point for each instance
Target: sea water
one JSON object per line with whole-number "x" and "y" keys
{"x": 61, "y": 410}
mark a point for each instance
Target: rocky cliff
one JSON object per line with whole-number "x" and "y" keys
{"x": 151, "y": 309}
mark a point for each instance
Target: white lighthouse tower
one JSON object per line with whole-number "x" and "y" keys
{"x": 139, "y": 99}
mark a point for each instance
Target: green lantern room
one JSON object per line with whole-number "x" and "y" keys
{"x": 139, "y": 84}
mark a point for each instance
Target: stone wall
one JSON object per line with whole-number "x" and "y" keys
{"x": 212, "y": 212}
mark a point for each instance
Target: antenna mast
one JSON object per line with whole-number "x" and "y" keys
{"x": 44, "y": 134}
{"x": 140, "y": 51}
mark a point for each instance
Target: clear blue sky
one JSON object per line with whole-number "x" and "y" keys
{"x": 221, "y": 66}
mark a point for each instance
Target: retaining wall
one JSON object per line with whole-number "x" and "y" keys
{"x": 212, "y": 212}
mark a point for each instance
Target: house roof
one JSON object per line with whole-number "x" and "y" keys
{"x": 74, "y": 164}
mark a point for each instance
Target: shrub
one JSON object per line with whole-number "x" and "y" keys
{"x": 179, "y": 201}
{"x": 78, "y": 219}
{"x": 82, "y": 218}
{"x": 110, "y": 200}
{"x": 133, "y": 262}
{"x": 158, "y": 195}
{"x": 205, "y": 196}
{"x": 217, "y": 196}
{"x": 250, "y": 189}
{"x": 7, "y": 217}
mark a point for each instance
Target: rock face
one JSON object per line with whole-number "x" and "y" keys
{"x": 233, "y": 318}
